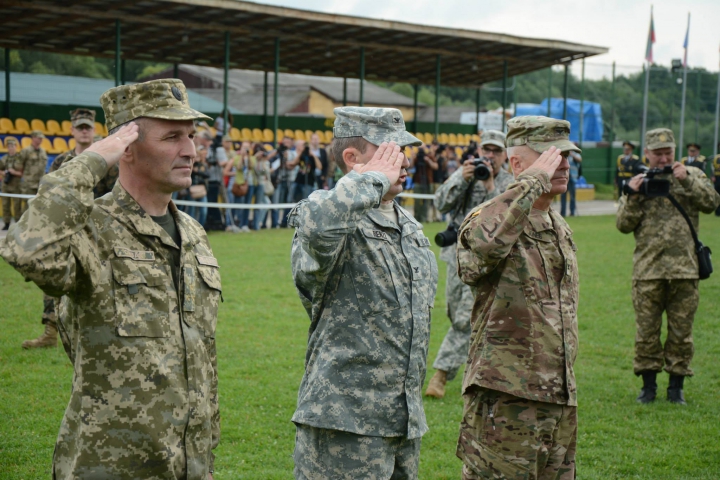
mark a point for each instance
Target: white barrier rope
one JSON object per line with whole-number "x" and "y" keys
{"x": 241, "y": 206}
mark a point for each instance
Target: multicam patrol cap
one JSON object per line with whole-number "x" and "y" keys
{"x": 82, "y": 116}
{"x": 376, "y": 125}
{"x": 659, "y": 138}
{"x": 539, "y": 133}
{"x": 11, "y": 141}
{"x": 165, "y": 99}
{"x": 493, "y": 137}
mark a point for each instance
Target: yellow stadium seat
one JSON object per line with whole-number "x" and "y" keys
{"x": 37, "y": 124}
{"x": 99, "y": 129}
{"x": 66, "y": 126}
{"x": 235, "y": 134}
{"x": 60, "y": 145}
{"x": 328, "y": 137}
{"x": 453, "y": 139}
{"x": 71, "y": 144}
{"x": 289, "y": 133}
{"x": 429, "y": 137}
{"x": 475, "y": 137}
{"x": 213, "y": 132}
{"x": 3, "y": 149}
{"x": 268, "y": 148}
{"x": 53, "y": 128}
{"x": 268, "y": 135}
{"x": 458, "y": 152}
{"x": 22, "y": 127}
{"x": 6, "y": 125}
{"x": 246, "y": 135}
{"x": 310, "y": 133}
{"x": 466, "y": 140}
{"x": 300, "y": 135}
{"x": 25, "y": 142}
{"x": 279, "y": 134}
{"x": 257, "y": 135}
{"x": 47, "y": 146}
{"x": 444, "y": 138}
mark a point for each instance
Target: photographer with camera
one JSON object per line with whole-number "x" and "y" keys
{"x": 475, "y": 182}
{"x": 657, "y": 208}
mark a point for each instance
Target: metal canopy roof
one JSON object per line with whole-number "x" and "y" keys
{"x": 193, "y": 32}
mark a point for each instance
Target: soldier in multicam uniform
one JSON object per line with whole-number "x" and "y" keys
{"x": 140, "y": 289}
{"x": 11, "y": 184}
{"x": 520, "y": 415}
{"x": 460, "y": 194}
{"x": 367, "y": 278}
{"x": 83, "y": 126}
{"x": 32, "y": 162}
{"x": 665, "y": 266}
{"x": 626, "y": 164}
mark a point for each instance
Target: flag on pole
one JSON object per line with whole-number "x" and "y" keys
{"x": 651, "y": 39}
{"x": 685, "y": 43}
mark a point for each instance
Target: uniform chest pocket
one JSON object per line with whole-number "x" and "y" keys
{"x": 372, "y": 274}
{"x": 207, "y": 295}
{"x": 142, "y": 303}
{"x": 531, "y": 270}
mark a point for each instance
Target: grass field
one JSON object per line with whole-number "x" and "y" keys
{"x": 261, "y": 339}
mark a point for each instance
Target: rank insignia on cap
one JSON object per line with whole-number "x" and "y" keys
{"x": 176, "y": 93}
{"x": 396, "y": 120}
{"x": 663, "y": 137}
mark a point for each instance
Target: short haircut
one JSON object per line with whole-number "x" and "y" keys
{"x": 339, "y": 145}
{"x": 140, "y": 122}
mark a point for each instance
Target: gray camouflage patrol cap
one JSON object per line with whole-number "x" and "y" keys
{"x": 659, "y": 138}
{"x": 493, "y": 137}
{"x": 376, "y": 125}
{"x": 539, "y": 133}
{"x": 165, "y": 99}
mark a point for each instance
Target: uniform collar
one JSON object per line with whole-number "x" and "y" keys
{"x": 406, "y": 224}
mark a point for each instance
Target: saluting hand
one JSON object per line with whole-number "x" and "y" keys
{"x": 112, "y": 147}
{"x": 549, "y": 161}
{"x": 388, "y": 160}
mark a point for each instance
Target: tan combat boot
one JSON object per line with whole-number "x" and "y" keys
{"x": 436, "y": 387}
{"x": 47, "y": 339}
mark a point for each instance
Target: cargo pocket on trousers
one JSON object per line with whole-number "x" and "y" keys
{"x": 485, "y": 462}
{"x": 142, "y": 307}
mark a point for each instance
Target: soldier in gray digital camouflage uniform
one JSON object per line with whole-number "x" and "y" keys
{"x": 459, "y": 194}
{"x": 367, "y": 278}
{"x": 518, "y": 254}
{"x": 140, "y": 289}
{"x": 665, "y": 266}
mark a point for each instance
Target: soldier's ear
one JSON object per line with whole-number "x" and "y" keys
{"x": 350, "y": 156}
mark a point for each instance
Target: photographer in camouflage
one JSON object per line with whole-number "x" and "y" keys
{"x": 520, "y": 415}
{"x": 459, "y": 194}
{"x": 367, "y": 278}
{"x": 140, "y": 289}
{"x": 665, "y": 266}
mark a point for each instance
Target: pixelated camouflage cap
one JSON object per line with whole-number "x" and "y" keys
{"x": 165, "y": 99}
{"x": 11, "y": 141}
{"x": 376, "y": 125}
{"x": 659, "y": 138}
{"x": 539, "y": 133}
{"x": 37, "y": 134}
{"x": 493, "y": 137}
{"x": 82, "y": 116}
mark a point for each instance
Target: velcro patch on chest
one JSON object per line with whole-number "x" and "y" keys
{"x": 376, "y": 234}
{"x": 422, "y": 241}
{"x": 138, "y": 255}
{"x": 207, "y": 260}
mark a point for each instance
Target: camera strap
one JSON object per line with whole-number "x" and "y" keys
{"x": 687, "y": 219}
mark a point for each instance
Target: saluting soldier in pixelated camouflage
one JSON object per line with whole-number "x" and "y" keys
{"x": 140, "y": 289}
{"x": 367, "y": 278}
{"x": 520, "y": 415}
{"x": 665, "y": 266}
{"x": 459, "y": 194}
{"x": 11, "y": 183}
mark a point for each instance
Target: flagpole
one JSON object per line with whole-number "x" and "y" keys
{"x": 645, "y": 108}
{"x": 680, "y": 147}
{"x": 717, "y": 118}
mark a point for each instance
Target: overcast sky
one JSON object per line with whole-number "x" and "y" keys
{"x": 620, "y": 25}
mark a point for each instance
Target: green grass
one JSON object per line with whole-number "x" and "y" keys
{"x": 604, "y": 191}
{"x": 261, "y": 338}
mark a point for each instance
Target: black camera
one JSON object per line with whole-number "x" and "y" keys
{"x": 651, "y": 187}
{"x": 8, "y": 177}
{"x": 447, "y": 237}
{"x": 482, "y": 171}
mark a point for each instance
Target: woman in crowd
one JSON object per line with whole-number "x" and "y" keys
{"x": 235, "y": 171}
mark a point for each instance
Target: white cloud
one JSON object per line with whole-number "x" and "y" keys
{"x": 620, "y": 25}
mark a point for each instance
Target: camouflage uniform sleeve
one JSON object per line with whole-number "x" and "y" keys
{"x": 490, "y": 230}
{"x": 451, "y": 192}
{"x": 47, "y": 245}
{"x": 629, "y": 214}
{"x": 323, "y": 221}
{"x": 704, "y": 197}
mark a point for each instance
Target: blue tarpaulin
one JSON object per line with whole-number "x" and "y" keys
{"x": 592, "y": 119}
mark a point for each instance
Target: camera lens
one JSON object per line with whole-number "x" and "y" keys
{"x": 482, "y": 172}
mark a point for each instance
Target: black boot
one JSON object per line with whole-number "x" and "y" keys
{"x": 649, "y": 390}
{"x": 675, "y": 390}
